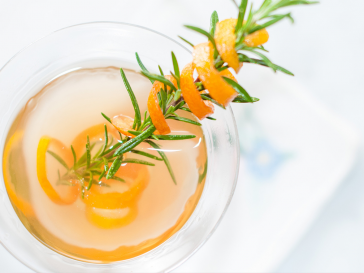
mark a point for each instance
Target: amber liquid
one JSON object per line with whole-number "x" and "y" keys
{"x": 62, "y": 109}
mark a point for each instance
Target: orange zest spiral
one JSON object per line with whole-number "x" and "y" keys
{"x": 70, "y": 192}
{"x": 197, "y": 105}
{"x": 203, "y": 58}
{"x": 155, "y": 111}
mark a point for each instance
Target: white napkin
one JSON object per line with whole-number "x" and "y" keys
{"x": 294, "y": 155}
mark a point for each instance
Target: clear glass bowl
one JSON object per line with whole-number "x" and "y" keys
{"x": 113, "y": 44}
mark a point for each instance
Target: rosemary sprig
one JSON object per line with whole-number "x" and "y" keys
{"x": 59, "y": 159}
{"x": 171, "y": 99}
{"x": 164, "y": 157}
{"x": 137, "y": 117}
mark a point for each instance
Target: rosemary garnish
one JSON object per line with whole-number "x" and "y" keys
{"x": 171, "y": 100}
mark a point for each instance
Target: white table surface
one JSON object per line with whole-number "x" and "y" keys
{"x": 322, "y": 48}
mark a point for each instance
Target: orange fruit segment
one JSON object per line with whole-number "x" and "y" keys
{"x": 219, "y": 90}
{"x": 123, "y": 124}
{"x": 155, "y": 112}
{"x": 136, "y": 177}
{"x": 225, "y": 42}
{"x": 60, "y": 194}
{"x": 200, "y": 108}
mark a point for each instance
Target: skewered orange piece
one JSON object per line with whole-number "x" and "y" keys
{"x": 200, "y": 108}
{"x": 203, "y": 58}
{"x": 225, "y": 41}
{"x": 155, "y": 111}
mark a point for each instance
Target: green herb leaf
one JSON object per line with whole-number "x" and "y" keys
{"x": 213, "y": 21}
{"x": 118, "y": 179}
{"x": 208, "y": 35}
{"x": 186, "y": 109}
{"x": 74, "y": 156}
{"x": 165, "y": 159}
{"x": 88, "y": 153}
{"x": 160, "y": 70}
{"x": 177, "y": 95}
{"x": 183, "y": 39}
{"x": 185, "y": 120}
{"x": 114, "y": 166}
{"x": 138, "y": 161}
{"x": 106, "y": 140}
{"x": 141, "y": 65}
{"x": 242, "y": 10}
{"x": 207, "y": 97}
{"x": 203, "y": 175}
{"x": 174, "y": 137}
{"x": 111, "y": 148}
{"x": 159, "y": 78}
{"x": 59, "y": 159}
{"x": 137, "y": 117}
{"x": 146, "y": 154}
{"x": 179, "y": 105}
{"x": 269, "y": 23}
{"x": 246, "y": 59}
{"x": 238, "y": 88}
{"x": 84, "y": 156}
{"x": 90, "y": 181}
{"x": 127, "y": 146}
{"x": 106, "y": 117}
{"x": 243, "y": 99}
{"x": 175, "y": 65}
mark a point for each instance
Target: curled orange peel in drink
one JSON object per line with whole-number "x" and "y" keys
{"x": 139, "y": 177}
{"x": 71, "y": 191}
{"x": 108, "y": 219}
{"x": 200, "y": 108}
{"x": 203, "y": 59}
{"x": 155, "y": 111}
{"x": 94, "y": 132}
{"x": 123, "y": 124}
{"x": 23, "y": 205}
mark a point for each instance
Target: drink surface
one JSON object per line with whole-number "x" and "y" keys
{"x": 62, "y": 110}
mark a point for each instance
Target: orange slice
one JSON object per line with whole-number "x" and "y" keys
{"x": 219, "y": 90}
{"x": 60, "y": 194}
{"x": 154, "y": 109}
{"x": 200, "y": 108}
{"x": 123, "y": 124}
{"x": 225, "y": 43}
{"x": 18, "y": 202}
{"x": 108, "y": 219}
{"x": 257, "y": 38}
{"x": 136, "y": 177}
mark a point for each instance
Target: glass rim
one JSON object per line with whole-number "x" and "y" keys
{"x": 227, "y": 204}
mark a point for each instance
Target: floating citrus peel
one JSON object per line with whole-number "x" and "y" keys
{"x": 104, "y": 208}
